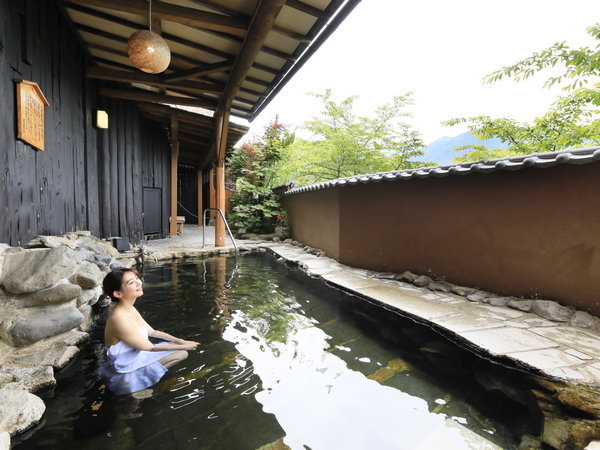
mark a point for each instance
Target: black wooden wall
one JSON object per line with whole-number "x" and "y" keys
{"x": 86, "y": 179}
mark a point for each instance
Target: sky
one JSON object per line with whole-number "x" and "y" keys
{"x": 440, "y": 50}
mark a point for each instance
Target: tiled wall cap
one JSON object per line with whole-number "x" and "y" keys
{"x": 538, "y": 160}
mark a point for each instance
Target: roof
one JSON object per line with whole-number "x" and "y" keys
{"x": 540, "y": 160}
{"x": 208, "y": 41}
{"x": 227, "y": 56}
{"x": 194, "y": 131}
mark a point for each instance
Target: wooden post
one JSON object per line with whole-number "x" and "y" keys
{"x": 211, "y": 191}
{"x": 200, "y": 174}
{"x": 222, "y": 126}
{"x": 174, "y": 159}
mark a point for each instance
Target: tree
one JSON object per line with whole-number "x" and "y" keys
{"x": 573, "y": 119}
{"x": 254, "y": 166}
{"x": 345, "y": 145}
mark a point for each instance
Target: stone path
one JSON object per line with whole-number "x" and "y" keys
{"x": 551, "y": 348}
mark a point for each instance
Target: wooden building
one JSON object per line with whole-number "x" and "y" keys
{"x": 228, "y": 57}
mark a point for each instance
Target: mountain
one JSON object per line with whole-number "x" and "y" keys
{"x": 440, "y": 150}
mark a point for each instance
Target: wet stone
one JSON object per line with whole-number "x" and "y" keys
{"x": 20, "y": 410}
{"x": 551, "y": 310}
{"x": 422, "y": 281}
{"x": 441, "y": 286}
{"x": 478, "y": 296}
{"x": 498, "y": 301}
{"x": 30, "y": 378}
{"x": 42, "y": 323}
{"x": 59, "y": 293}
{"x": 463, "y": 290}
{"x": 385, "y": 276}
{"x": 407, "y": 277}
{"x": 521, "y": 305}
{"x": 33, "y": 270}
{"x": 55, "y": 357}
{"x": 582, "y": 319}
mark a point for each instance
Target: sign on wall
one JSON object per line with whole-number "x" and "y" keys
{"x": 30, "y": 113}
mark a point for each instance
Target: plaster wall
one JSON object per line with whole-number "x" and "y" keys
{"x": 314, "y": 219}
{"x": 531, "y": 233}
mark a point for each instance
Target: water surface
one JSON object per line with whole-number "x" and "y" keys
{"x": 287, "y": 360}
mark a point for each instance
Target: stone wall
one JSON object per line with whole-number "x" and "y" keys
{"x": 47, "y": 290}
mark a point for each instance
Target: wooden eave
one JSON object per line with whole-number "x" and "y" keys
{"x": 227, "y": 55}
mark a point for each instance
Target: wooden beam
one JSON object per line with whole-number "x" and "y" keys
{"x": 262, "y": 23}
{"x": 310, "y": 10}
{"x": 141, "y": 96}
{"x": 215, "y": 6}
{"x": 199, "y": 71}
{"x": 173, "y": 13}
{"x": 151, "y": 80}
{"x": 174, "y": 160}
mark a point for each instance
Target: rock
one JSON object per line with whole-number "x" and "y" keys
{"x": 529, "y": 442}
{"x": 128, "y": 262}
{"x": 581, "y": 398}
{"x": 90, "y": 296}
{"x": 97, "y": 246}
{"x": 320, "y": 253}
{"x": 83, "y": 233}
{"x": 276, "y": 239}
{"x": 385, "y": 276}
{"x": 288, "y": 241}
{"x": 29, "y": 378}
{"x": 313, "y": 251}
{"x": 4, "y": 440}
{"x": 551, "y": 310}
{"x": 594, "y": 445}
{"x": 422, "y": 281}
{"x": 42, "y": 322}
{"x": 296, "y": 243}
{"x": 19, "y": 410}
{"x": 59, "y": 293}
{"x": 478, "y": 296}
{"x": 55, "y": 242}
{"x": 521, "y": 305}
{"x": 3, "y": 248}
{"x": 462, "y": 290}
{"x": 582, "y": 319}
{"x": 441, "y": 286}
{"x": 55, "y": 357}
{"x": 498, "y": 301}
{"x": 88, "y": 275}
{"x": 33, "y": 270}
{"x": 407, "y": 276}
{"x": 569, "y": 433}
{"x": 86, "y": 311}
{"x": 555, "y": 432}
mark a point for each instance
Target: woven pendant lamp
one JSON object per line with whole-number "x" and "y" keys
{"x": 147, "y": 50}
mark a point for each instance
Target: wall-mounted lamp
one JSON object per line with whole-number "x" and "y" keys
{"x": 101, "y": 119}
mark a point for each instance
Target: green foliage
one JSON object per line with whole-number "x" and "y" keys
{"x": 345, "y": 145}
{"x": 572, "y": 120}
{"x": 254, "y": 168}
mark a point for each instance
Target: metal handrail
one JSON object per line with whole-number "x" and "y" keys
{"x": 224, "y": 221}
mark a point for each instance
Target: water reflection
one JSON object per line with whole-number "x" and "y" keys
{"x": 322, "y": 404}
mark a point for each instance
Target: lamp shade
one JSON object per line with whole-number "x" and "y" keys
{"x": 148, "y": 51}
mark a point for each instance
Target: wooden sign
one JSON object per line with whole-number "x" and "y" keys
{"x": 30, "y": 113}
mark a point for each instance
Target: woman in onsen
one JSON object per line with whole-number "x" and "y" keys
{"x": 136, "y": 362}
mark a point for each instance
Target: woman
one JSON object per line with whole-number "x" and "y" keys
{"x": 132, "y": 361}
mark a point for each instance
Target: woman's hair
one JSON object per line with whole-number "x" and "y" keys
{"x": 113, "y": 281}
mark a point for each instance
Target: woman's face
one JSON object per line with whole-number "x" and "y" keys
{"x": 131, "y": 286}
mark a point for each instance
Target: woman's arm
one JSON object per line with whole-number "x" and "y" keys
{"x": 167, "y": 337}
{"x": 127, "y": 333}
